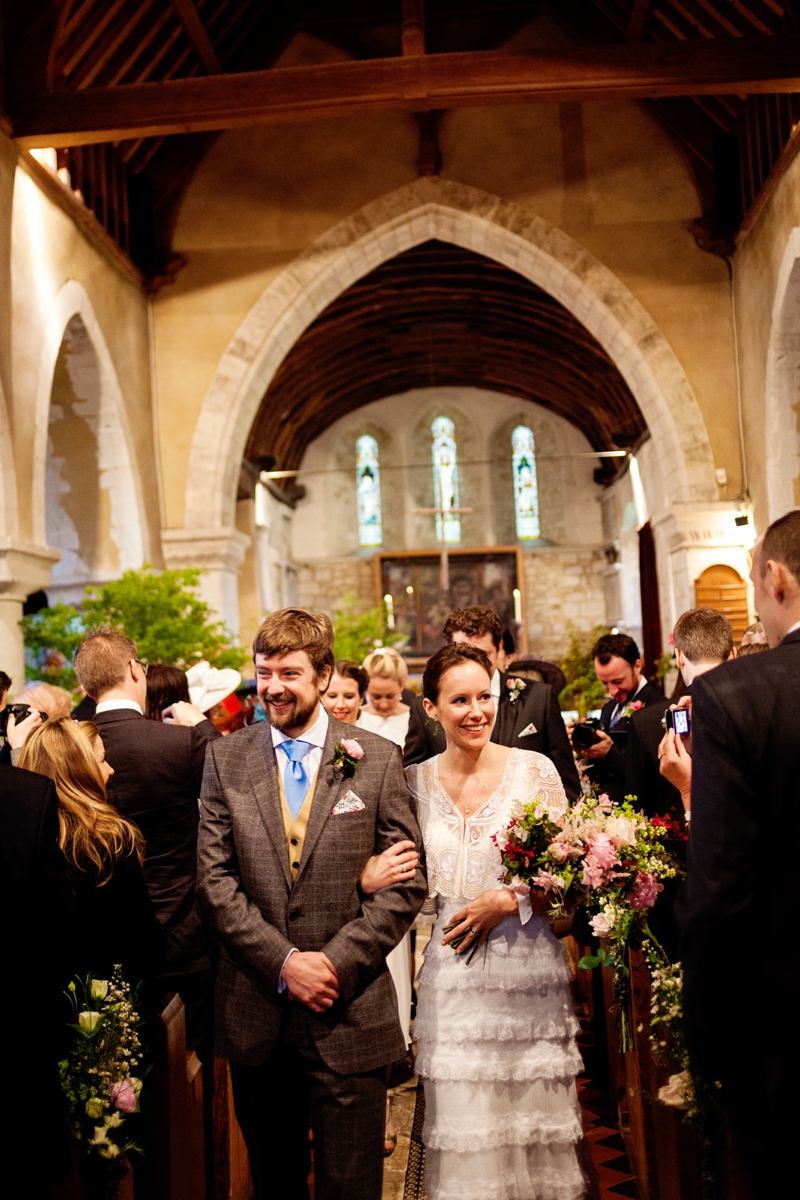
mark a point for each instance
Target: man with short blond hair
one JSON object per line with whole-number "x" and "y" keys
{"x": 306, "y": 1012}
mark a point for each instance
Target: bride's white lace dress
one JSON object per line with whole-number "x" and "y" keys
{"x": 496, "y": 1039}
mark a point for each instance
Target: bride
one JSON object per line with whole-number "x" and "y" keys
{"x": 496, "y": 1033}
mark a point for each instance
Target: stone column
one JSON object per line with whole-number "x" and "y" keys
{"x": 24, "y": 568}
{"x": 219, "y": 552}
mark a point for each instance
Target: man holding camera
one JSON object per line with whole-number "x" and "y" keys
{"x": 618, "y": 665}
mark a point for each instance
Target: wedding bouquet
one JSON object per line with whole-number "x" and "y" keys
{"x": 606, "y": 858}
{"x": 101, "y": 1076}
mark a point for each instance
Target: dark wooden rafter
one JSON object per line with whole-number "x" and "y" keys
{"x": 196, "y": 32}
{"x": 439, "y": 315}
{"x": 640, "y": 14}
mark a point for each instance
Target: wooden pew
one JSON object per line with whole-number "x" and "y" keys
{"x": 177, "y": 1144}
{"x": 231, "y": 1165}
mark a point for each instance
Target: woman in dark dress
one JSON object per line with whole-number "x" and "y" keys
{"x": 104, "y": 854}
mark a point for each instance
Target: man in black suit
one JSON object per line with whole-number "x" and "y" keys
{"x": 158, "y": 770}
{"x": 737, "y": 910}
{"x": 527, "y": 712}
{"x": 703, "y": 640}
{"x": 39, "y": 951}
{"x": 618, "y": 664}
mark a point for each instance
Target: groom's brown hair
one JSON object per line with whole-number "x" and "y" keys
{"x": 291, "y": 629}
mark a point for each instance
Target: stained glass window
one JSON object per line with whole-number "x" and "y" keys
{"x": 368, "y": 492}
{"x": 526, "y": 492}
{"x": 445, "y": 478}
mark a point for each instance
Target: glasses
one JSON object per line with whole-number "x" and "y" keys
{"x": 143, "y": 665}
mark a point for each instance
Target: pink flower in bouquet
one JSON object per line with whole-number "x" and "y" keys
{"x": 601, "y": 925}
{"x": 519, "y": 886}
{"x": 559, "y": 851}
{"x": 594, "y": 876}
{"x": 123, "y": 1097}
{"x": 602, "y": 850}
{"x": 548, "y": 882}
{"x": 604, "y": 800}
{"x": 645, "y": 891}
{"x": 353, "y": 748}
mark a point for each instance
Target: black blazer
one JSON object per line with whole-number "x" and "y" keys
{"x": 536, "y": 706}
{"x": 608, "y": 774}
{"x": 158, "y": 770}
{"x": 118, "y": 924}
{"x": 655, "y": 794}
{"x": 39, "y": 952}
{"x": 737, "y": 910}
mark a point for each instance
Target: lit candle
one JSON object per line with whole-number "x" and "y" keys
{"x": 389, "y": 602}
{"x": 517, "y": 605}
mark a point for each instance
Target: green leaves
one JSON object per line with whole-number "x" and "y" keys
{"x": 584, "y": 690}
{"x": 603, "y": 958}
{"x": 359, "y": 631}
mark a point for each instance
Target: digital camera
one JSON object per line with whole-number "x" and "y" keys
{"x": 584, "y": 734}
{"x": 678, "y": 719}
{"x": 19, "y": 712}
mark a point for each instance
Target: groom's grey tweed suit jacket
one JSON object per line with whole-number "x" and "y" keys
{"x": 246, "y": 893}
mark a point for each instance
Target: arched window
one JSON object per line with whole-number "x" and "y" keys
{"x": 445, "y": 478}
{"x": 526, "y": 491}
{"x": 368, "y": 491}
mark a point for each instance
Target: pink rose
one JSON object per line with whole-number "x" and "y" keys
{"x": 601, "y": 926}
{"x": 645, "y": 890}
{"x": 123, "y": 1097}
{"x": 558, "y": 851}
{"x": 602, "y": 850}
{"x": 548, "y": 882}
{"x": 637, "y": 704}
{"x": 604, "y": 800}
{"x": 353, "y": 748}
{"x": 519, "y": 886}
{"x": 593, "y": 875}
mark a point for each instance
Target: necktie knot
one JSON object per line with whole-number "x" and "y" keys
{"x": 294, "y": 750}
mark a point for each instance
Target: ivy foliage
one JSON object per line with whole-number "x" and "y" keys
{"x": 160, "y": 611}
{"x": 584, "y": 691}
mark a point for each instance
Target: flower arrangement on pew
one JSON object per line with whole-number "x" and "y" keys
{"x": 606, "y": 858}
{"x": 101, "y": 1076}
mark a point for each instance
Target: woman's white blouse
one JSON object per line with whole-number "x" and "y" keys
{"x": 462, "y": 859}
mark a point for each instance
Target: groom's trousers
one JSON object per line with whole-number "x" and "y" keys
{"x": 293, "y": 1089}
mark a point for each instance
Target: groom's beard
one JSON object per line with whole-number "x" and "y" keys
{"x": 294, "y": 716}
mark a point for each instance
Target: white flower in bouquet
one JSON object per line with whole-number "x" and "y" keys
{"x": 88, "y": 1021}
{"x": 112, "y": 1120}
{"x": 109, "y": 1150}
{"x": 99, "y": 989}
{"x": 603, "y": 922}
{"x": 99, "y": 1137}
{"x": 94, "y": 1108}
{"x": 679, "y": 1092}
{"x": 621, "y": 830}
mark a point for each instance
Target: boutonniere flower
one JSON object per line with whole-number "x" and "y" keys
{"x": 515, "y": 686}
{"x": 347, "y": 755}
{"x": 630, "y": 709}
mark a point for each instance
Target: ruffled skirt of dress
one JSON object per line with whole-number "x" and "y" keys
{"x": 497, "y": 1053}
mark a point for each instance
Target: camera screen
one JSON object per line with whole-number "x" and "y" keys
{"x": 680, "y": 718}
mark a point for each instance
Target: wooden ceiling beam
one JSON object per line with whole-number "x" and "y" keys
{"x": 195, "y": 30}
{"x": 639, "y": 18}
{"x": 290, "y": 94}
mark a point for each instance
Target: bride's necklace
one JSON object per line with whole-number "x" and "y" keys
{"x": 473, "y": 793}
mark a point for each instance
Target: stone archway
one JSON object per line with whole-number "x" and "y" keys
{"x": 429, "y": 209}
{"x": 101, "y": 405}
{"x": 782, "y": 435}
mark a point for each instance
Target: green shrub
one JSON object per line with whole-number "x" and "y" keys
{"x": 360, "y": 630}
{"x": 584, "y": 691}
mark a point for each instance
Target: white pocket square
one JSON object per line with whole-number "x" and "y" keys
{"x": 527, "y": 730}
{"x": 349, "y": 802}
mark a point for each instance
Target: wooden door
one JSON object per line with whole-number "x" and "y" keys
{"x": 722, "y": 588}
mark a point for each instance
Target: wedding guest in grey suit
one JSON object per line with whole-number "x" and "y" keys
{"x": 292, "y": 812}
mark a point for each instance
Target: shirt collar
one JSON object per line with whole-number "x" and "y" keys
{"x": 496, "y": 684}
{"x": 793, "y": 629}
{"x": 113, "y": 705}
{"x": 315, "y": 736}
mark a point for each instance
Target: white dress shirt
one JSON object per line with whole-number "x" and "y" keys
{"x": 112, "y": 705}
{"x": 315, "y": 736}
{"x": 495, "y": 686}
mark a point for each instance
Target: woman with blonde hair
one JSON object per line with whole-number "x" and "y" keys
{"x": 385, "y": 713}
{"x": 104, "y": 853}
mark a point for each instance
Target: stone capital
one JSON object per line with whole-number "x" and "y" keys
{"x": 709, "y": 526}
{"x": 24, "y": 567}
{"x": 217, "y": 549}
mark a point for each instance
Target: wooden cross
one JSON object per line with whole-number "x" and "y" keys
{"x": 444, "y": 571}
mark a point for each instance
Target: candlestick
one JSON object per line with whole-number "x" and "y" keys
{"x": 389, "y": 602}
{"x": 517, "y": 605}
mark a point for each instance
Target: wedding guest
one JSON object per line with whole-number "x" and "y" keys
{"x": 526, "y": 713}
{"x": 38, "y": 950}
{"x": 166, "y": 685}
{"x": 346, "y": 690}
{"x": 618, "y": 664}
{"x": 46, "y": 698}
{"x": 754, "y": 640}
{"x": 385, "y": 713}
{"x": 158, "y": 772}
{"x": 5, "y": 684}
{"x": 104, "y": 853}
{"x": 740, "y": 887}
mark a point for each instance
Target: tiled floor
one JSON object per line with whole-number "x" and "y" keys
{"x": 604, "y": 1157}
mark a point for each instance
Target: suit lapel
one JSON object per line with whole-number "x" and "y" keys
{"x": 329, "y": 782}
{"x": 502, "y": 715}
{"x": 264, "y": 779}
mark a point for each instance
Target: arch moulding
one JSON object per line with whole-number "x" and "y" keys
{"x": 114, "y": 460}
{"x": 782, "y": 439}
{"x": 474, "y": 220}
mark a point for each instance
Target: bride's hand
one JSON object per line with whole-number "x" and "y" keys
{"x": 480, "y": 917}
{"x": 396, "y": 865}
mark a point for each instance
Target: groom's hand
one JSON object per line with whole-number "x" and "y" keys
{"x": 312, "y": 979}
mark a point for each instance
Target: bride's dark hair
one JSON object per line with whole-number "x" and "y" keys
{"x": 452, "y": 655}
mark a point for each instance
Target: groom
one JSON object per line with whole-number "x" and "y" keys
{"x": 305, "y": 1008}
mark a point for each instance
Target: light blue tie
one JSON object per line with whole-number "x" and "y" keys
{"x": 295, "y": 781}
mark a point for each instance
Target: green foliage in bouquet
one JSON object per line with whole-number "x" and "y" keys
{"x": 360, "y": 630}
{"x": 160, "y": 611}
{"x": 584, "y": 690}
{"x": 102, "y": 1076}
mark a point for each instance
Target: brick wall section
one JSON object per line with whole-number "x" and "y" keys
{"x": 324, "y": 584}
{"x": 563, "y": 588}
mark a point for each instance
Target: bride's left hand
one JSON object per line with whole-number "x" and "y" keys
{"x": 480, "y": 917}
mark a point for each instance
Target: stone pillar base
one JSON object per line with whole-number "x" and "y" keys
{"x": 24, "y": 568}
{"x": 219, "y": 552}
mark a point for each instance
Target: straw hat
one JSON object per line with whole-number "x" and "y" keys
{"x": 210, "y": 685}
